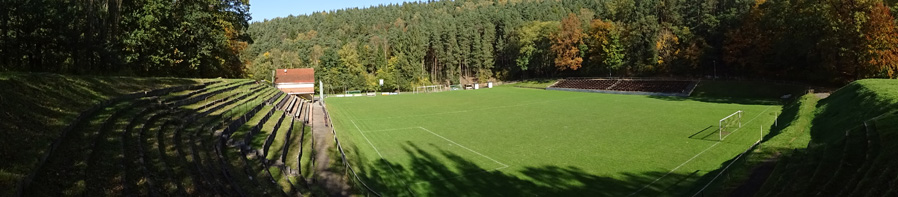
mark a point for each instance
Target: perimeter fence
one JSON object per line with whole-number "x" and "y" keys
{"x": 355, "y": 181}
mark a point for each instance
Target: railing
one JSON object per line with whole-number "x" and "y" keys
{"x": 355, "y": 176}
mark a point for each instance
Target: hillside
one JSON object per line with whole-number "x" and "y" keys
{"x": 450, "y": 42}
{"x": 852, "y": 146}
{"x": 92, "y": 136}
{"x": 36, "y": 108}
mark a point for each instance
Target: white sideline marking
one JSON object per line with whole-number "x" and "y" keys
{"x": 381, "y": 155}
{"x": 725, "y": 169}
{"x": 696, "y": 155}
{"x": 466, "y": 148}
{"x": 450, "y": 141}
{"x": 366, "y": 139}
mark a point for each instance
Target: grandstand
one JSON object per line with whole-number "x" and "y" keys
{"x": 656, "y": 87}
{"x": 220, "y": 138}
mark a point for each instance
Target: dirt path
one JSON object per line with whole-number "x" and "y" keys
{"x": 324, "y": 141}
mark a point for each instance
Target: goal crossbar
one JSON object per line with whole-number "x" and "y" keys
{"x": 429, "y": 88}
{"x": 727, "y": 122}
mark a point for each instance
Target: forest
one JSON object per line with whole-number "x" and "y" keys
{"x": 458, "y": 42}
{"x": 198, "y": 38}
{"x": 465, "y": 41}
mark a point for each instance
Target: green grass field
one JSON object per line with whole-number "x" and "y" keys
{"x": 510, "y": 141}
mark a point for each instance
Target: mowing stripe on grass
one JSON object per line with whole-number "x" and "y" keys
{"x": 696, "y": 155}
{"x": 366, "y": 139}
{"x": 397, "y": 129}
{"x": 470, "y": 110}
{"x": 381, "y": 156}
{"x": 466, "y": 148}
{"x": 450, "y": 141}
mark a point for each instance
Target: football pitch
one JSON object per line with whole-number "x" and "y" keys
{"x": 509, "y": 141}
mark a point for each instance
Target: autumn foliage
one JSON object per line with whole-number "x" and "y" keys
{"x": 881, "y": 42}
{"x": 606, "y": 46}
{"x": 566, "y": 44}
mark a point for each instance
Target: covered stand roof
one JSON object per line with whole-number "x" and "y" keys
{"x": 295, "y": 81}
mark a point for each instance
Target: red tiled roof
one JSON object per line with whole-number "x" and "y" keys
{"x": 296, "y": 75}
{"x": 298, "y": 90}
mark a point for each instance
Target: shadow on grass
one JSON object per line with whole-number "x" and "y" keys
{"x": 37, "y": 106}
{"x": 746, "y": 176}
{"x": 850, "y": 106}
{"x": 728, "y": 100}
{"x": 706, "y": 134}
{"x": 740, "y": 92}
{"x": 443, "y": 173}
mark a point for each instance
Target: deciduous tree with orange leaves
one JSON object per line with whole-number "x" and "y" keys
{"x": 567, "y": 43}
{"x": 881, "y": 43}
{"x": 606, "y": 49}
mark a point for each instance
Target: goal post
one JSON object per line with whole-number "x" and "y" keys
{"x": 726, "y": 124}
{"x": 429, "y": 88}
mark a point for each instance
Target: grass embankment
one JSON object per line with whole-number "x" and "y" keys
{"x": 36, "y": 107}
{"x": 162, "y": 142}
{"x": 744, "y": 92}
{"x": 535, "y": 83}
{"x": 852, "y": 151}
{"x": 791, "y": 132}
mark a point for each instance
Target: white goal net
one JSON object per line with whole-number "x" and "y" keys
{"x": 430, "y": 88}
{"x": 729, "y": 124}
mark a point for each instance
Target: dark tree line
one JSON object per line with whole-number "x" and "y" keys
{"x": 198, "y": 38}
{"x": 451, "y": 42}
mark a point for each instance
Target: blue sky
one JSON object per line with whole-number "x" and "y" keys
{"x": 269, "y": 9}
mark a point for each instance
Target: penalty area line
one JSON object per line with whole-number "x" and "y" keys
{"x": 696, "y": 155}
{"x": 466, "y": 148}
{"x": 382, "y": 157}
{"x": 366, "y": 139}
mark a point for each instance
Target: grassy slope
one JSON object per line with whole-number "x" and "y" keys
{"x": 851, "y": 105}
{"x": 36, "y": 107}
{"x": 745, "y": 90}
{"x": 535, "y": 83}
{"x": 99, "y": 146}
{"x": 554, "y": 142}
{"x": 836, "y": 164}
{"x": 790, "y": 133}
